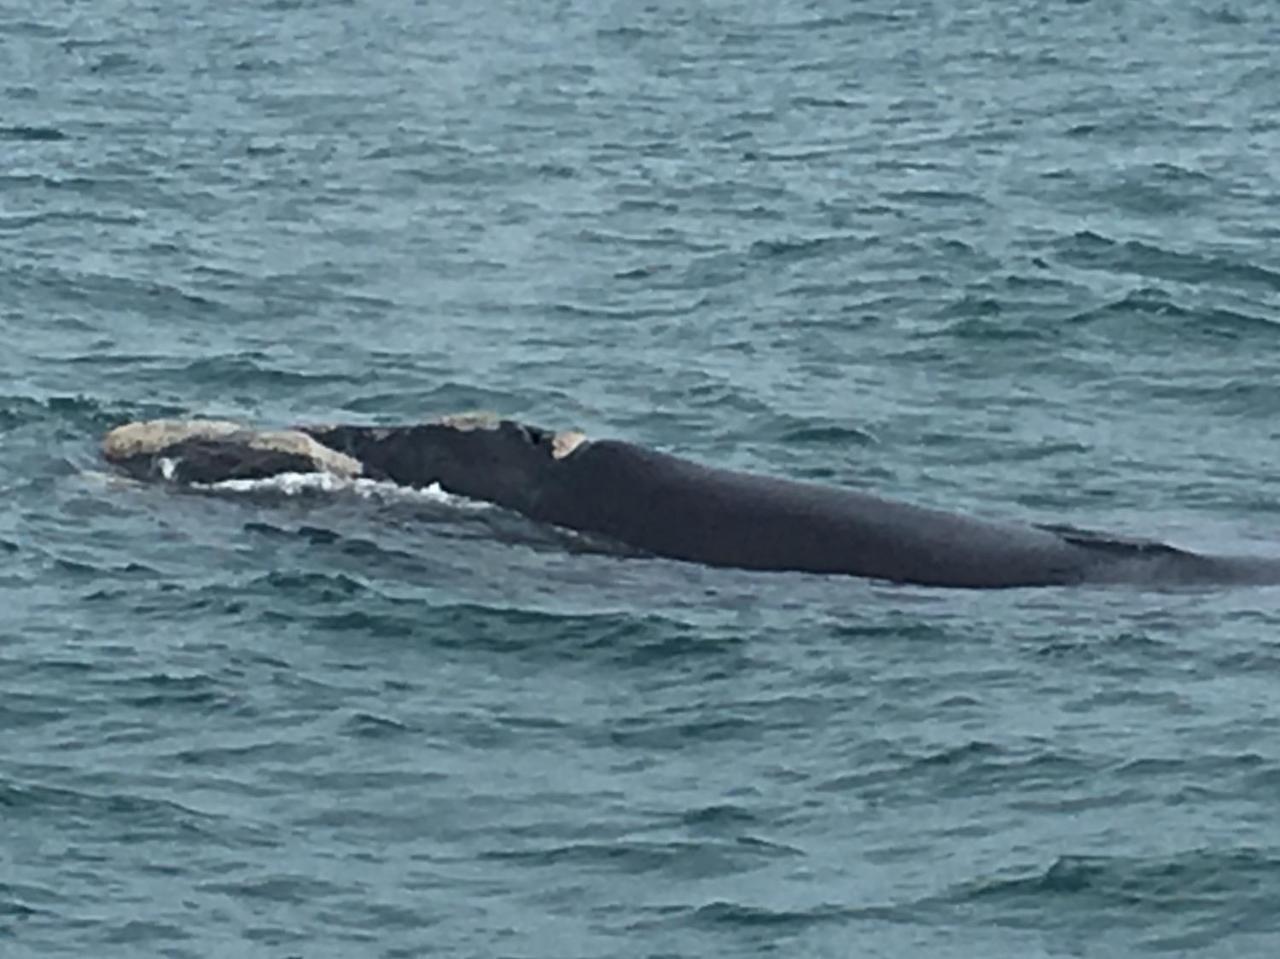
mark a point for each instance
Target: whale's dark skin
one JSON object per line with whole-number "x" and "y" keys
{"x": 676, "y": 508}
{"x": 673, "y": 507}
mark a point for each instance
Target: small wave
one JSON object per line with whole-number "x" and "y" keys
{"x": 12, "y": 909}
{"x": 1222, "y": 14}
{"x": 135, "y": 932}
{"x": 970, "y": 769}
{"x": 971, "y": 308}
{"x": 632, "y": 313}
{"x": 20, "y": 900}
{"x": 718, "y": 817}
{"x": 1156, "y": 307}
{"x": 792, "y": 430}
{"x": 799, "y": 156}
{"x": 652, "y": 735}
{"x": 295, "y": 889}
{"x": 459, "y": 174}
{"x": 163, "y": 691}
{"x": 804, "y": 247}
{"x": 115, "y": 291}
{"x": 369, "y": 726}
{"x": 1187, "y": 901}
{"x": 21, "y": 221}
{"x": 1189, "y": 883}
{"x": 663, "y": 238}
{"x": 738, "y": 914}
{"x": 240, "y": 754}
{"x": 323, "y": 587}
{"x": 81, "y": 414}
{"x": 95, "y": 572}
{"x": 120, "y": 809}
{"x": 1089, "y": 250}
{"x": 626, "y": 32}
{"x": 33, "y": 134}
{"x": 687, "y": 859}
{"x": 445, "y": 395}
{"x": 958, "y": 755}
{"x": 826, "y": 102}
{"x": 117, "y": 62}
{"x": 938, "y": 198}
{"x": 641, "y": 272}
{"x": 248, "y": 370}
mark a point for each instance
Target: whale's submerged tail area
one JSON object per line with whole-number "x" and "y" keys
{"x": 672, "y": 507}
{"x": 1154, "y": 563}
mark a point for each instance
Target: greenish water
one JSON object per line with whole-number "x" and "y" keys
{"x": 1014, "y": 258}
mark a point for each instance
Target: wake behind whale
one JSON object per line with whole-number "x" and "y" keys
{"x": 672, "y": 507}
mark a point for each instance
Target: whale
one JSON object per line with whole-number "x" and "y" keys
{"x": 668, "y": 506}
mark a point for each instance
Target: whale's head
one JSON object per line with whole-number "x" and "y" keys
{"x": 210, "y": 451}
{"x": 479, "y": 456}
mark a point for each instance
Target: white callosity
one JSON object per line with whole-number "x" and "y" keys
{"x": 159, "y": 437}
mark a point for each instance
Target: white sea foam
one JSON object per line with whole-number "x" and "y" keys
{"x": 297, "y": 484}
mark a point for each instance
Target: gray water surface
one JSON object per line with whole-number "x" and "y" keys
{"x": 1012, "y": 258}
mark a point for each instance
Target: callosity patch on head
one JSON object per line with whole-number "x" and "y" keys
{"x": 300, "y": 444}
{"x": 565, "y": 442}
{"x": 155, "y": 436}
{"x": 163, "y": 444}
{"x": 479, "y": 420}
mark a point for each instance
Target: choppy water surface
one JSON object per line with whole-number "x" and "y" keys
{"x": 1011, "y": 257}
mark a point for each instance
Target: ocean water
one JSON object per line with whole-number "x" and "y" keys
{"x": 1015, "y": 258}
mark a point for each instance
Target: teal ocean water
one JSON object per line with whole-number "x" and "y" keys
{"x": 1015, "y": 258}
